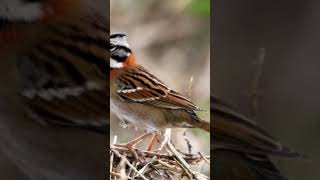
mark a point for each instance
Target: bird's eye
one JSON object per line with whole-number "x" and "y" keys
{"x": 112, "y": 47}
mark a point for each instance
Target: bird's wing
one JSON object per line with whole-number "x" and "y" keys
{"x": 234, "y": 131}
{"x": 234, "y": 165}
{"x": 140, "y": 86}
{"x": 62, "y": 75}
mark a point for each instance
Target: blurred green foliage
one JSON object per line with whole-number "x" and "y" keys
{"x": 199, "y": 7}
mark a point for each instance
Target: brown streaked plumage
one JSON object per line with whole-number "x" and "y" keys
{"x": 52, "y": 68}
{"x": 61, "y": 73}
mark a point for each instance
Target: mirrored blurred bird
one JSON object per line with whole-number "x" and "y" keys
{"x": 241, "y": 149}
{"x": 53, "y": 111}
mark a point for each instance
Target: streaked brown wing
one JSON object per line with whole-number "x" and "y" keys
{"x": 62, "y": 75}
{"x": 140, "y": 86}
{"x": 79, "y": 107}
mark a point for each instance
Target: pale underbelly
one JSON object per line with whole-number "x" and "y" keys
{"x": 145, "y": 120}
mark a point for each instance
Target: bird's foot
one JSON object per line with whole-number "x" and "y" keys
{"x": 130, "y": 145}
{"x": 131, "y": 149}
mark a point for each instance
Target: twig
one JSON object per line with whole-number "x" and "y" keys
{"x": 119, "y": 175}
{"x": 112, "y": 155}
{"x": 204, "y": 158}
{"x": 184, "y": 164}
{"x": 190, "y": 86}
{"x": 150, "y": 154}
{"x": 167, "y": 163}
{"x": 255, "y": 92}
{"x": 188, "y": 142}
{"x": 129, "y": 164}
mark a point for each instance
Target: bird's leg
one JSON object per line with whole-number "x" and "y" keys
{"x": 135, "y": 141}
{"x": 130, "y": 145}
{"x": 167, "y": 138}
{"x": 153, "y": 140}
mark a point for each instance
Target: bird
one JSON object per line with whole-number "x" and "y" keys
{"x": 53, "y": 110}
{"x": 242, "y": 149}
{"x": 138, "y": 98}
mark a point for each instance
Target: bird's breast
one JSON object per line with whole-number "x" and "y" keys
{"x": 139, "y": 115}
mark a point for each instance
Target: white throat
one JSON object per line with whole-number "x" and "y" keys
{"x": 115, "y": 64}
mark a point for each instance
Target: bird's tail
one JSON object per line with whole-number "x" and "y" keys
{"x": 200, "y": 123}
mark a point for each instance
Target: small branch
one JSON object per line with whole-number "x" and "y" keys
{"x": 119, "y": 175}
{"x": 184, "y": 164}
{"x": 255, "y": 92}
{"x": 204, "y": 158}
{"x": 193, "y": 158}
{"x": 190, "y": 86}
{"x": 188, "y": 142}
{"x": 129, "y": 164}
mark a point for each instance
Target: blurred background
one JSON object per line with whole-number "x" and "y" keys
{"x": 266, "y": 63}
{"x": 171, "y": 39}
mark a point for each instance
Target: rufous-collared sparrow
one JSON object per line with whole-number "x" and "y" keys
{"x": 139, "y": 98}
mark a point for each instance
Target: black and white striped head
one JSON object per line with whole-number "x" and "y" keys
{"x": 119, "y": 50}
{"x": 12, "y": 11}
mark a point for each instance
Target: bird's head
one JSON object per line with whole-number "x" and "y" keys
{"x": 120, "y": 52}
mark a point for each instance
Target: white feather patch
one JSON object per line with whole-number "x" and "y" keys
{"x": 130, "y": 90}
{"x": 62, "y": 93}
{"x": 115, "y": 64}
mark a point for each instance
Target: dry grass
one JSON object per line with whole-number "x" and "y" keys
{"x": 167, "y": 163}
